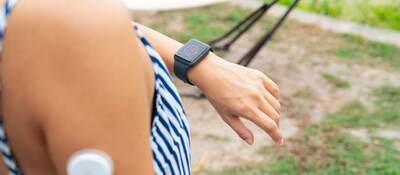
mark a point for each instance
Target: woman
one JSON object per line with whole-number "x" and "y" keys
{"x": 74, "y": 76}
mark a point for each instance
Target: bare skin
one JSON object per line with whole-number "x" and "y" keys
{"x": 72, "y": 81}
{"x": 81, "y": 91}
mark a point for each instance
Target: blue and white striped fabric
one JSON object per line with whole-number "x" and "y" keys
{"x": 170, "y": 137}
{"x": 8, "y": 156}
{"x": 5, "y": 11}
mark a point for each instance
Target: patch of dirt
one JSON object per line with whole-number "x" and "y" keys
{"x": 361, "y": 133}
{"x": 389, "y": 134}
{"x": 364, "y": 135}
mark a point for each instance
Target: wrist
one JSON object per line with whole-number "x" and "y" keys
{"x": 199, "y": 73}
{"x": 188, "y": 56}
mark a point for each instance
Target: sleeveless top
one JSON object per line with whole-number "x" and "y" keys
{"x": 170, "y": 137}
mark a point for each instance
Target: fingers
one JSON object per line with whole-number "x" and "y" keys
{"x": 267, "y": 108}
{"x": 271, "y": 86}
{"x": 270, "y": 104}
{"x": 238, "y": 126}
{"x": 267, "y": 124}
{"x": 273, "y": 102}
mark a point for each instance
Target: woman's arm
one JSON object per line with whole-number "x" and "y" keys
{"x": 235, "y": 91}
{"x": 79, "y": 73}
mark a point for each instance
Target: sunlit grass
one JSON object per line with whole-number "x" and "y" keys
{"x": 381, "y": 13}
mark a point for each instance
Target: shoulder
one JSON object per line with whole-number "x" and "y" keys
{"x": 51, "y": 42}
{"x": 71, "y": 14}
{"x": 56, "y": 31}
{"x": 52, "y": 24}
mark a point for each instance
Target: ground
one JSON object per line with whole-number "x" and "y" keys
{"x": 340, "y": 97}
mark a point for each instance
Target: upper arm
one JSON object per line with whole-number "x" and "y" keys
{"x": 78, "y": 73}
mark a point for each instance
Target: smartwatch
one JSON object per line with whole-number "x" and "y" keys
{"x": 188, "y": 56}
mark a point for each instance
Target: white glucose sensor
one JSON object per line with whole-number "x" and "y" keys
{"x": 90, "y": 162}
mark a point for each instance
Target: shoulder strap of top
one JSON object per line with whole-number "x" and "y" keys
{"x": 5, "y": 11}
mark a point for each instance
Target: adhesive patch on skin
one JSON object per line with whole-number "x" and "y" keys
{"x": 90, "y": 162}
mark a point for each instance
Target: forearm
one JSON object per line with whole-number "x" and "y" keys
{"x": 167, "y": 47}
{"x": 235, "y": 91}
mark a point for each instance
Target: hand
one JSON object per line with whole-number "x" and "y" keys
{"x": 240, "y": 92}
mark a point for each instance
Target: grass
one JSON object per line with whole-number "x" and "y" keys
{"x": 381, "y": 13}
{"x": 370, "y": 52}
{"x": 347, "y": 52}
{"x": 376, "y": 49}
{"x": 386, "y": 114}
{"x": 335, "y": 81}
{"x": 327, "y": 148}
{"x": 306, "y": 94}
{"x": 204, "y": 23}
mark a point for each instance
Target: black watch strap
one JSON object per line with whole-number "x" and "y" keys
{"x": 180, "y": 70}
{"x": 188, "y": 56}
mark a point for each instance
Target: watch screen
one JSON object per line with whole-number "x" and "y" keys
{"x": 193, "y": 50}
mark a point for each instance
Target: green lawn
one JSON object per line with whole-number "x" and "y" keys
{"x": 381, "y": 13}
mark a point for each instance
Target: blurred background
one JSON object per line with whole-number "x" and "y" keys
{"x": 338, "y": 66}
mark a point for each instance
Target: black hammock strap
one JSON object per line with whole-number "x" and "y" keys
{"x": 243, "y": 26}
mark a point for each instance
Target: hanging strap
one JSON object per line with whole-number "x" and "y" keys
{"x": 242, "y": 27}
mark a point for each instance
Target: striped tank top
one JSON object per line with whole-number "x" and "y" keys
{"x": 170, "y": 137}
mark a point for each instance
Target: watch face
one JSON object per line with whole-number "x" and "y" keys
{"x": 193, "y": 50}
